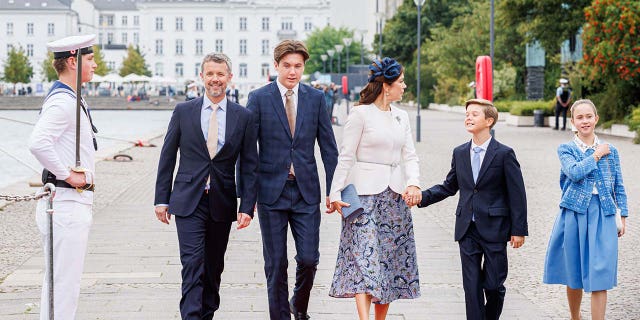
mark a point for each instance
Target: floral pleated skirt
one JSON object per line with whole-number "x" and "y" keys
{"x": 377, "y": 253}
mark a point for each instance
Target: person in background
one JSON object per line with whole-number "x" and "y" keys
{"x": 53, "y": 143}
{"x": 491, "y": 211}
{"x": 378, "y": 157}
{"x": 583, "y": 248}
{"x": 233, "y": 94}
{"x": 563, "y": 98}
{"x": 192, "y": 91}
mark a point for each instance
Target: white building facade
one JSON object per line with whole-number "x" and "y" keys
{"x": 173, "y": 35}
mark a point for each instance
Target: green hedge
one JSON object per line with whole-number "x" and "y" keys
{"x": 525, "y": 108}
{"x": 634, "y": 123}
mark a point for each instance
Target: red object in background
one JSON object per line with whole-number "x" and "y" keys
{"x": 345, "y": 85}
{"x": 484, "y": 78}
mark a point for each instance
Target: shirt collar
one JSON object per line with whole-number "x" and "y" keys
{"x": 283, "y": 90}
{"x": 583, "y": 146}
{"x": 483, "y": 146}
{"x": 222, "y": 104}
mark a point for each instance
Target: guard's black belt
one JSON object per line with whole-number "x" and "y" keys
{"x": 64, "y": 184}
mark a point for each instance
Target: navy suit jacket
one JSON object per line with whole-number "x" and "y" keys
{"x": 185, "y": 135}
{"x": 497, "y": 199}
{"x": 278, "y": 149}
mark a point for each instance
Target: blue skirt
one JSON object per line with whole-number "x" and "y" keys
{"x": 377, "y": 253}
{"x": 583, "y": 250}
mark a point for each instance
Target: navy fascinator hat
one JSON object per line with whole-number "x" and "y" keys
{"x": 389, "y": 68}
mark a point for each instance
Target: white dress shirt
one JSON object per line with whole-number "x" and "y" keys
{"x": 376, "y": 152}
{"x": 283, "y": 90}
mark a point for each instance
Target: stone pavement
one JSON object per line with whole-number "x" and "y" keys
{"x": 133, "y": 270}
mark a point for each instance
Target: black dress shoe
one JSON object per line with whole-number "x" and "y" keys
{"x": 297, "y": 315}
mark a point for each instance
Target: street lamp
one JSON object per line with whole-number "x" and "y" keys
{"x": 324, "y": 57}
{"x": 362, "y": 33}
{"x": 347, "y": 43}
{"x": 419, "y": 4}
{"x": 380, "y": 16}
{"x": 331, "y": 52}
{"x": 339, "y": 48}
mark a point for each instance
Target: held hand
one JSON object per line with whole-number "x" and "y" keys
{"x": 412, "y": 196}
{"x": 329, "y": 204}
{"x": 516, "y": 241}
{"x": 624, "y": 227}
{"x": 337, "y": 206}
{"x": 76, "y": 179}
{"x": 162, "y": 212}
{"x": 243, "y": 220}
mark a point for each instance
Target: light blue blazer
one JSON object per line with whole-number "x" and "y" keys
{"x": 580, "y": 172}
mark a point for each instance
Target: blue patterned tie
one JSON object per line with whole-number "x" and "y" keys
{"x": 475, "y": 163}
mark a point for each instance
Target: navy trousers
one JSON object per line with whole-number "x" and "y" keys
{"x": 203, "y": 243}
{"x": 483, "y": 279}
{"x": 289, "y": 210}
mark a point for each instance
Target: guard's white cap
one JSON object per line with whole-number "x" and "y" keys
{"x": 66, "y": 47}
{"x": 192, "y": 85}
{"x": 564, "y": 81}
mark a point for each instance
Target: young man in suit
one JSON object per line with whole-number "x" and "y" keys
{"x": 492, "y": 210}
{"x": 212, "y": 134}
{"x": 292, "y": 117}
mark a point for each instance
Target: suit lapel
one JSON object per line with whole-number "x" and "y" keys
{"x": 196, "y": 115}
{"x": 466, "y": 161}
{"x": 488, "y": 157}
{"x": 301, "y": 111}
{"x": 278, "y": 107}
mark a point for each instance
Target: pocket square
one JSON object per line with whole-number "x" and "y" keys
{"x": 355, "y": 208}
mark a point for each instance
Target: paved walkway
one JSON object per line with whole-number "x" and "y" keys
{"x": 133, "y": 270}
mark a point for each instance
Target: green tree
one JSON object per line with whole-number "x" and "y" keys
{"x": 321, "y": 40}
{"x": 134, "y": 63}
{"x": 48, "y": 71}
{"x": 17, "y": 68}
{"x": 98, "y": 57}
{"x": 549, "y": 21}
{"x": 611, "y": 64}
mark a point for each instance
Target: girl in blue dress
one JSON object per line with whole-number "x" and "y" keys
{"x": 583, "y": 249}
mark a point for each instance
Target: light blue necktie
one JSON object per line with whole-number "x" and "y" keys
{"x": 475, "y": 163}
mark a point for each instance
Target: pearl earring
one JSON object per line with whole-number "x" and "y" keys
{"x": 387, "y": 93}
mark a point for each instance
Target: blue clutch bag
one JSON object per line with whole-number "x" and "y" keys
{"x": 350, "y": 196}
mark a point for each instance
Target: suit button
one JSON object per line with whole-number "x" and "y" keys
{"x": 475, "y": 190}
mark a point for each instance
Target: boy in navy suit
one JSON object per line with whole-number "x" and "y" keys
{"x": 492, "y": 210}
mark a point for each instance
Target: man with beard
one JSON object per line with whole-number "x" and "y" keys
{"x": 212, "y": 134}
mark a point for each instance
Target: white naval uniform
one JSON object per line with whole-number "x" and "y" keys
{"x": 52, "y": 142}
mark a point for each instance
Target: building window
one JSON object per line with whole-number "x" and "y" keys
{"x": 265, "y": 23}
{"x": 125, "y": 21}
{"x": 9, "y": 28}
{"x": 178, "y": 47}
{"x": 9, "y": 48}
{"x": 159, "y": 50}
{"x": 110, "y": 20}
{"x": 197, "y": 73}
{"x": 219, "y": 24}
{"x": 265, "y": 47}
{"x": 198, "y": 23}
{"x": 29, "y": 50}
{"x": 51, "y": 29}
{"x": 179, "y": 69}
{"x": 136, "y": 38}
{"x": 243, "y": 47}
{"x": 199, "y": 47}
{"x": 159, "y": 26}
{"x": 124, "y": 38}
{"x": 159, "y": 69}
{"x": 30, "y": 28}
{"x": 179, "y": 24}
{"x": 264, "y": 70}
{"x": 219, "y": 45}
{"x": 100, "y": 38}
{"x": 109, "y": 37}
{"x": 243, "y": 70}
{"x": 243, "y": 23}
{"x": 136, "y": 20}
{"x": 111, "y": 65}
{"x": 308, "y": 24}
{"x": 286, "y": 24}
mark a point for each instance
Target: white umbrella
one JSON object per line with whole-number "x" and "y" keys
{"x": 132, "y": 77}
{"x": 161, "y": 79}
{"x": 96, "y": 78}
{"x": 112, "y": 77}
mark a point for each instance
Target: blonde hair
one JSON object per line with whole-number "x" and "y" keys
{"x": 290, "y": 46}
{"x": 584, "y": 101}
{"x": 490, "y": 111}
